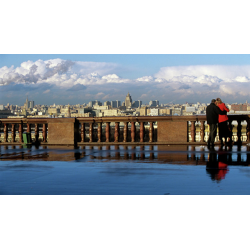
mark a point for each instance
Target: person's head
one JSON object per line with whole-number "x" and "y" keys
{"x": 218, "y": 100}
{"x": 213, "y": 101}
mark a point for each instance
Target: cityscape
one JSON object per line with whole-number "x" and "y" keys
{"x": 120, "y": 114}
{"x": 96, "y": 108}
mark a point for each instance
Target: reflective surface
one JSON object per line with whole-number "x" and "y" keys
{"x": 115, "y": 170}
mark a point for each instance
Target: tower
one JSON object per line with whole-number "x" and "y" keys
{"x": 128, "y": 101}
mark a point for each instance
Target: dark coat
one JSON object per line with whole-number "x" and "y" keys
{"x": 212, "y": 113}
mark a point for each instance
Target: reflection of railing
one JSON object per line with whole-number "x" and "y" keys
{"x": 120, "y": 130}
{"x": 175, "y": 154}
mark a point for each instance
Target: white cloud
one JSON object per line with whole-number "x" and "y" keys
{"x": 223, "y": 72}
{"x": 145, "y": 79}
{"x": 179, "y": 81}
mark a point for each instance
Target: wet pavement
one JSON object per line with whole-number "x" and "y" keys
{"x": 124, "y": 170}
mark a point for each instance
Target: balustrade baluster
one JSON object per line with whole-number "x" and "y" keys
{"x": 20, "y": 130}
{"x": 193, "y": 131}
{"x": 151, "y": 129}
{"x": 90, "y": 132}
{"x": 44, "y": 132}
{"x": 5, "y": 132}
{"x": 239, "y": 131}
{"x": 82, "y": 132}
{"x": 125, "y": 132}
{"x": 107, "y": 131}
{"x": 141, "y": 131}
{"x": 132, "y": 131}
{"x": 202, "y": 132}
{"x": 99, "y": 131}
{"x": 13, "y": 133}
{"x": 117, "y": 132}
{"x": 36, "y": 133}
{"x": 28, "y": 128}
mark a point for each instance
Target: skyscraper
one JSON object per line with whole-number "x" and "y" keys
{"x": 128, "y": 101}
{"x": 31, "y": 104}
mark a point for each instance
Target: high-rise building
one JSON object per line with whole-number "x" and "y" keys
{"x": 31, "y": 104}
{"x": 28, "y": 104}
{"x": 137, "y": 104}
{"x": 115, "y": 104}
{"x": 107, "y": 103}
{"x": 153, "y": 103}
{"x": 128, "y": 101}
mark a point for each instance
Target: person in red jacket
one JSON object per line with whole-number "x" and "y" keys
{"x": 222, "y": 122}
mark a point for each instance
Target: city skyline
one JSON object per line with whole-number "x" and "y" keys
{"x": 75, "y": 79}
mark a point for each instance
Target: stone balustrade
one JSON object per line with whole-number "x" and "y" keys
{"x": 143, "y": 130}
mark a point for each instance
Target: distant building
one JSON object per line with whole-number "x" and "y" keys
{"x": 5, "y": 113}
{"x": 92, "y": 103}
{"x": 31, "y": 104}
{"x": 177, "y": 111}
{"x": 53, "y": 111}
{"x": 128, "y": 101}
{"x": 107, "y": 103}
{"x": 154, "y": 112}
{"x": 190, "y": 109}
{"x": 153, "y": 103}
{"x": 137, "y": 104}
{"x": 84, "y": 110}
{"x": 143, "y": 111}
{"x": 115, "y": 104}
{"x": 69, "y": 114}
{"x": 100, "y": 107}
{"x": 165, "y": 111}
{"x": 239, "y": 107}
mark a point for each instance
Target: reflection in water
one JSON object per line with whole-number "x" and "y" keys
{"x": 217, "y": 165}
{"x": 183, "y": 154}
{"x": 124, "y": 169}
{"x": 186, "y": 155}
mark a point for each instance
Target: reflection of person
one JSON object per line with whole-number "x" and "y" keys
{"x": 217, "y": 168}
{"x": 222, "y": 119}
{"x": 212, "y": 113}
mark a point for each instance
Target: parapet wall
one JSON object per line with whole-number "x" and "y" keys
{"x": 142, "y": 130}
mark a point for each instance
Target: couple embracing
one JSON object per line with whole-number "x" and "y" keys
{"x": 217, "y": 113}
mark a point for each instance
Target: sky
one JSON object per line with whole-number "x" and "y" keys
{"x": 80, "y": 78}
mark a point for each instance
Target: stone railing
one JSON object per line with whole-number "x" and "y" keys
{"x": 143, "y": 130}
{"x": 11, "y": 130}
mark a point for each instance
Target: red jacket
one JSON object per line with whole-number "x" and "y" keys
{"x": 223, "y": 118}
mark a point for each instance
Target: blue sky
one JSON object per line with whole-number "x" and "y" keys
{"x": 80, "y": 78}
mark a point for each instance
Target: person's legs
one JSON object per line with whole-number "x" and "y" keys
{"x": 223, "y": 131}
{"x": 212, "y": 135}
{"x": 213, "y": 130}
{"x": 220, "y": 132}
